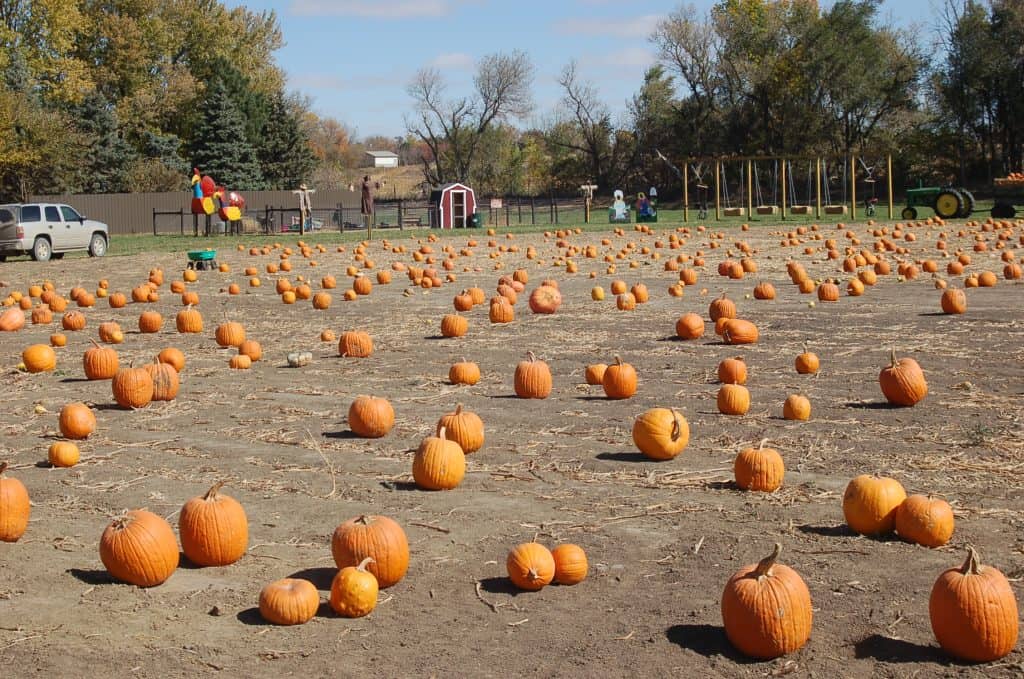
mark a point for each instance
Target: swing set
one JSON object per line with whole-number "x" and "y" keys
{"x": 831, "y": 186}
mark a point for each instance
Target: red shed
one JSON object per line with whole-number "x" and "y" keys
{"x": 452, "y": 206}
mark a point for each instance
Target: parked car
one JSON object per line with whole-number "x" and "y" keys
{"x": 45, "y": 230}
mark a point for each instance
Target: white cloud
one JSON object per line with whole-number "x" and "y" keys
{"x": 453, "y": 61}
{"x": 380, "y": 9}
{"x": 635, "y": 27}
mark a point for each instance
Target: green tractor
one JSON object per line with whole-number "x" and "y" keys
{"x": 948, "y": 202}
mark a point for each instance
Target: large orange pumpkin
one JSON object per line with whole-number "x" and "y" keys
{"x": 377, "y": 537}
{"x": 14, "y": 507}
{"x": 214, "y": 529}
{"x": 902, "y": 381}
{"x": 371, "y": 417}
{"x": 530, "y": 566}
{"x": 139, "y": 548}
{"x": 870, "y": 503}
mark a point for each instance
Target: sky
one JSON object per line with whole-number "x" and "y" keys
{"x": 354, "y": 58}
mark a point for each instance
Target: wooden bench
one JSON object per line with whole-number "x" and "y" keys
{"x": 410, "y": 221}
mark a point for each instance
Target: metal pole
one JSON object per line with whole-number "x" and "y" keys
{"x": 750, "y": 189}
{"x": 686, "y": 192}
{"x": 783, "y": 189}
{"x": 853, "y": 188}
{"x": 718, "y": 191}
{"x": 888, "y": 181}
{"x": 817, "y": 188}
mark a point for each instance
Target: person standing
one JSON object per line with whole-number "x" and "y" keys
{"x": 367, "y": 202}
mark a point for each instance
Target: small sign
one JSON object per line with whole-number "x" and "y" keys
{"x": 496, "y": 204}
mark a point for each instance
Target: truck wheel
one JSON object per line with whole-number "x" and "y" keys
{"x": 98, "y": 245}
{"x": 41, "y": 250}
{"x": 948, "y": 203}
{"x": 1003, "y": 211}
{"x": 909, "y": 213}
{"x": 968, "y": 204}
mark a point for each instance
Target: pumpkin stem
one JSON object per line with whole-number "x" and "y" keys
{"x": 531, "y": 357}
{"x": 364, "y": 520}
{"x": 212, "y": 493}
{"x": 677, "y": 431}
{"x": 441, "y": 432}
{"x": 972, "y": 566}
{"x": 764, "y": 566}
{"x": 458, "y": 409}
{"x": 618, "y": 360}
{"x": 760, "y": 446}
{"x": 892, "y": 356}
{"x": 362, "y": 564}
{"x": 3, "y": 467}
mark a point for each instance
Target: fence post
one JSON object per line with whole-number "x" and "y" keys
{"x": 533, "y": 209}
{"x": 401, "y": 226}
{"x": 519, "y": 208}
{"x": 181, "y": 220}
{"x": 154, "y": 221}
{"x": 555, "y": 202}
{"x": 551, "y": 208}
{"x": 508, "y": 209}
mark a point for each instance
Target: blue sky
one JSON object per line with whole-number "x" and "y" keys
{"x": 354, "y": 58}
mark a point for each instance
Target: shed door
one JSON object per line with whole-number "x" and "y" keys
{"x": 458, "y": 209}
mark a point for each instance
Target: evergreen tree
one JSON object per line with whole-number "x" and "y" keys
{"x": 221, "y": 148}
{"x": 104, "y": 165}
{"x": 286, "y": 157}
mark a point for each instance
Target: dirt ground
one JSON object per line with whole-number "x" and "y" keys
{"x": 662, "y": 538}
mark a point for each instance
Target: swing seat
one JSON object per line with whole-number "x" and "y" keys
{"x": 734, "y": 211}
{"x": 836, "y": 209}
{"x": 767, "y": 209}
{"x": 799, "y": 209}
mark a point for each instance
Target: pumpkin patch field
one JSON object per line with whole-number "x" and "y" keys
{"x": 682, "y": 451}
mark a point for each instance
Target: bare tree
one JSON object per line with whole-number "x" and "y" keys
{"x": 594, "y": 135}
{"x": 452, "y": 128}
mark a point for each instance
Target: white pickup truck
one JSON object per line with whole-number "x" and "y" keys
{"x": 45, "y": 230}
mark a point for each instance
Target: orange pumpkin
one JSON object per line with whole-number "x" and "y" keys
{"x": 15, "y": 507}
{"x": 377, "y": 537}
{"x": 139, "y": 548}
{"x": 532, "y": 378}
{"x": 214, "y": 529}
{"x": 290, "y": 601}
{"x": 870, "y": 504}
{"x": 530, "y": 566}
{"x": 570, "y": 564}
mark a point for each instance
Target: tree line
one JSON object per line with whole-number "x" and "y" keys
{"x": 106, "y": 96}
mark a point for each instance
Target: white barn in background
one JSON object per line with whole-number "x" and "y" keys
{"x": 381, "y": 159}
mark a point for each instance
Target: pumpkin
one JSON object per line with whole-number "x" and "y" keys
{"x": 530, "y": 566}
{"x": 759, "y": 469}
{"x": 230, "y": 334}
{"x": 252, "y": 349}
{"x": 796, "y": 407}
{"x": 99, "y": 362}
{"x": 738, "y": 331}
{"x": 807, "y": 363}
{"x": 76, "y": 421}
{"x": 355, "y": 344}
{"x": 63, "y": 454}
{"x": 619, "y": 380}
{"x": 41, "y": 315}
{"x": 570, "y": 564}
{"x": 322, "y": 301}
{"x": 464, "y": 372}
{"x": 214, "y": 529}
{"x": 463, "y": 427}
{"x": 172, "y": 356}
{"x": 953, "y": 301}
{"x": 902, "y": 382}
{"x": 733, "y": 399}
{"x": 39, "y": 358}
{"x": 139, "y": 548}
{"x": 362, "y": 285}
{"x": 973, "y": 612}
{"x": 150, "y": 321}
{"x": 454, "y": 325}
{"x": 723, "y": 307}
{"x": 594, "y": 373}
{"x": 597, "y": 293}
{"x": 640, "y": 293}
{"x": 240, "y": 362}
{"x": 924, "y": 520}
{"x": 732, "y": 371}
{"x": 58, "y": 339}
{"x": 439, "y": 464}
{"x": 545, "y": 300}
{"x": 354, "y": 590}
{"x": 290, "y": 601}
{"x": 14, "y": 319}
{"x": 661, "y": 433}
{"x": 870, "y": 503}
{"x": 532, "y": 378}
{"x": 828, "y": 292}
{"x": 764, "y": 291}
{"x": 111, "y": 333}
{"x": 618, "y": 287}
{"x": 625, "y": 302}
{"x": 371, "y": 417}
{"x": 72, "y": 320}
{"x": 132, "y": 387}
{"x": 478, "y": 295}
{"x": 14, "y": 507}
{"x": 501, "y": 311}
{"x": 189, "y": 320}
{"x": 766, "y": 609}
{"x": 377, "y": 537}
{"x": 690, "y": 326}
{"x": 165, "y": 380}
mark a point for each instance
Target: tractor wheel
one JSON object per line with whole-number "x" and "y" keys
{"x": 948, "y": 203}
{"x": 1003, "y": 211}
{"x": 909, "y": 213}
{"x": 968, "y": 203}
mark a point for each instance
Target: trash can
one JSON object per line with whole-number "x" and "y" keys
{"x": 476, "y": 220}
